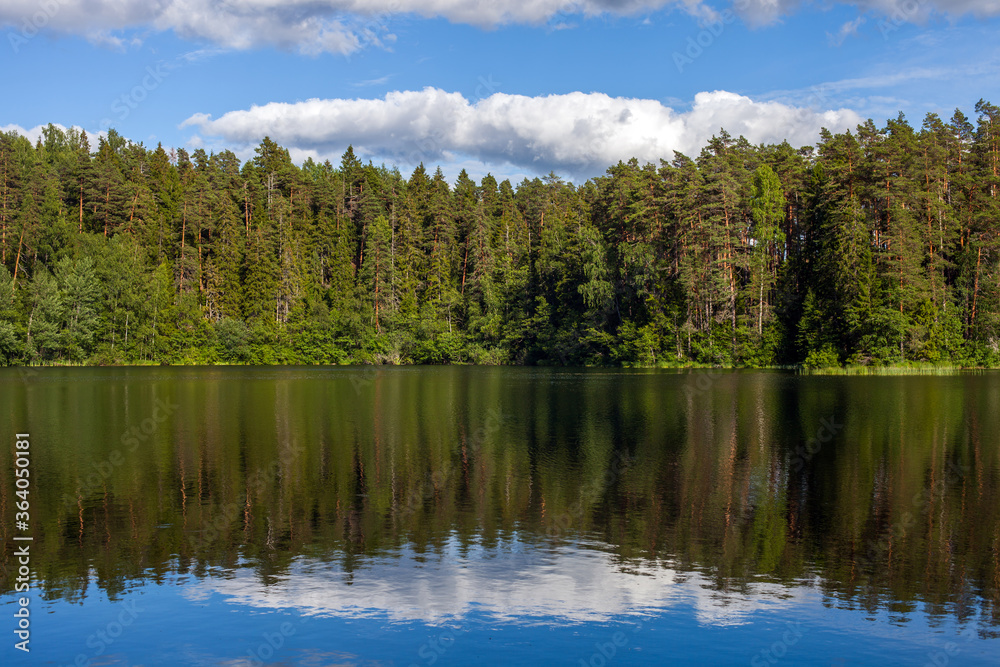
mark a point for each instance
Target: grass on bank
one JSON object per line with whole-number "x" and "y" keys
{"x": 849, "y": 369}
{"x": 916, "y": 368}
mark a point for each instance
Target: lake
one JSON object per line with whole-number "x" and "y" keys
{"x": 457, "y": 515}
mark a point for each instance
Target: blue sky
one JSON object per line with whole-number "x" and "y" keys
{"x": 509, "y": 88}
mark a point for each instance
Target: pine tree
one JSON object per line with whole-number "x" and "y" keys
{"x": 377, "y": 271}
{"x": 44, "y": 326}
{"x": 105, "y": 191}
{"x": 767, "y": 205}
{"x": 224, "y": 292}
{"x": 80, "y": 293}
{"x": 10, "y": 345}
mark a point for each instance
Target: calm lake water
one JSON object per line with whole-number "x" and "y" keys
{"x": 455, "y": 515}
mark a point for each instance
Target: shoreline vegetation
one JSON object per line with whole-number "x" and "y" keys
{"x": 892, "y": 370}
{"x": 876, "y": 251}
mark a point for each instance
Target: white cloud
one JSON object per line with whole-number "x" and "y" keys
{"x": 372, "y": 82}
{"x": 578, "y": 134}
{"x": 345, "y": 26}
{"x": 308, "y": 26}
{"x": 35, "y": 133}
{"x": 849, "y": 29}
{"x": 763, "y": 12}
{"x": 855, "y": 93}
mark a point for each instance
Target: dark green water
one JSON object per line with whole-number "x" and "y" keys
{"x": 450, "y": 515}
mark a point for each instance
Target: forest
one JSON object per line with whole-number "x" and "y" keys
{"x": 876, "y": 247}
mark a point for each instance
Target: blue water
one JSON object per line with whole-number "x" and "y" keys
{"x": 569, "y": 605}
{"x": 457, "y": 516}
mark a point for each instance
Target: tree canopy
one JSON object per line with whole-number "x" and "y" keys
{"x": 876, "y": 246}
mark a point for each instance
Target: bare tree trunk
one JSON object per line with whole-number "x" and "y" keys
{"x": 3, "y": 216}
{"x": 378, "y": 329}
{"x": 465, "y": 264}
{"x": 975, "y": 290}
{"x": 107, "y": 207}
{"x": 18, "y": 261}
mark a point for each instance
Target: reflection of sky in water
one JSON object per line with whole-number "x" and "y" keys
{"x": 709, "y": 487}
{"x": 511, "y": 603}
{"x": 510, "y": 582}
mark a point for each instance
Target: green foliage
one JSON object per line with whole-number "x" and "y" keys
{"x": 824, "y": 357}
{"x": 636, "y": 346}
{"x": 880, "y": 247}
{"x": 10, "y": 346}
{"x": 80, "y": 293}
{"x": 233, "y": 338}
{"x": 44, "y": 339}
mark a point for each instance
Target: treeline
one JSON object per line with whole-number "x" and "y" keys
{"x": 879, "y": 246}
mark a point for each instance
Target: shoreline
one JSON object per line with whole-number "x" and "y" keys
{"x": 851, "y": 369}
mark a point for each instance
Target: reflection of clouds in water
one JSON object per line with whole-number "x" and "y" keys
{"x": 715, "y": 607}
{"x": 512, "y": 582}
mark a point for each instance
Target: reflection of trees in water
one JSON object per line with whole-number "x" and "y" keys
{"x": 897, "y": 511}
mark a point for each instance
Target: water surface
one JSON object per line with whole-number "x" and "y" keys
{"x": 449, "y": 515}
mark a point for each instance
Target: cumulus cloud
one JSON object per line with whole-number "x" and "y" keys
{"x": 309, "y": 26}
{"x": 35, "y": 133}
{"x": 345, "y": 26}
{"x": 579, "y": 134}
{"x": 763, "y": 12}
